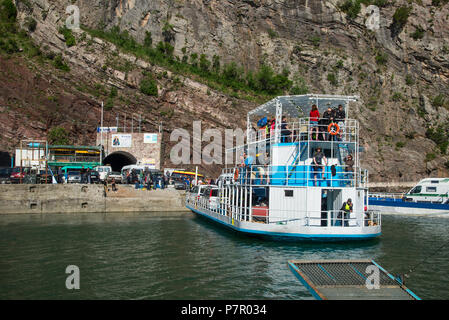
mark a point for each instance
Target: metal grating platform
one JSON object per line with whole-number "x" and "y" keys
{"x": 347, "y": 279}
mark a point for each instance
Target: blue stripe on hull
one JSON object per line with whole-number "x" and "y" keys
{"x": 290, "y": 236}
{"x": 406, "y": 204}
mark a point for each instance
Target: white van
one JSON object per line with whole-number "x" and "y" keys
{"x": 210, "y": 195}
{"x": 196, "y": 192}
{"x": 430, "y": 190}
{"x": 103, "y": 171}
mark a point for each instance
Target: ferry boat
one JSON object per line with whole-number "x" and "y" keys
{"x": 429, "y": 196}
{"x": 279, "y": 191}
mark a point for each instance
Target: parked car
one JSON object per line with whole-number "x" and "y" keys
{"x": 210, "y": 193}
{"x": 103, "y": 171}
{"x": 5, "y": 175}
{"x": 73, "y": 177}
{"x": 196, "y": 192}
{"x": 18, "y": 174}
{"x": 180, "y": 185}
{"x": 94, "y": 177}
{"x": 116, "y": 175}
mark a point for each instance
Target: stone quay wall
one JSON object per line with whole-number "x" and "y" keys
{"x": 76, "y": 198}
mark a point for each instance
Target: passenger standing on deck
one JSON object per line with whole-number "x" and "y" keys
{"x": 328, "y": 118}
{"x": 248, "y": 165}
{"x": 314, "y": 116}
{"x": 285, "y": 132}
{"x": 346, "y": 208}
{"x": 349, "y": 169}
{"x": 319, "y": 164}
{"x": 340, "y": 117}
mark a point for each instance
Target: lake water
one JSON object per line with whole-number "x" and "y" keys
{"x": 140, "y": 256}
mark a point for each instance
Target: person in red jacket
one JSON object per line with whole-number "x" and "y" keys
{"x": 314, "y": 116}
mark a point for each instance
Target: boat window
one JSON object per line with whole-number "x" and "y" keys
{"x": 288, "y": 193}
{"x": 416, "y": 189}
{"x": 431, "y": 189}
{"x": 214, "y": 192}
{"x": 434, "y": 181}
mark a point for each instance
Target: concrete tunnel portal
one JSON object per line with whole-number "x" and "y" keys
{"x": 118, "y": 159}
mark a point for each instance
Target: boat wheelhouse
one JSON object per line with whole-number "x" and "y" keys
{"x": 278, "y": 187}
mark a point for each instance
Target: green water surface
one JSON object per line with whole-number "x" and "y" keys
{"x": 140, "y": 256}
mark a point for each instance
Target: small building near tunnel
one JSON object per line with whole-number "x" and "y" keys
{"x": 121, "y": 149}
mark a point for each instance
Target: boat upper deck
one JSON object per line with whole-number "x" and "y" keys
{"x": 303, "y": 140}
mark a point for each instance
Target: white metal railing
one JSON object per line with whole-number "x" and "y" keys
{"x": 389, "y": 196}
{"x": 329, "y": 218}
{"x": 298, "y": 175}
{"x": 303, "y": 129}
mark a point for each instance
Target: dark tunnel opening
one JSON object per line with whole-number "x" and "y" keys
{"x": 117, "y": 160}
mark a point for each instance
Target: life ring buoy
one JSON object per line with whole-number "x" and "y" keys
{"x": 333, "y": 129}
{"x": 236, "y": 174}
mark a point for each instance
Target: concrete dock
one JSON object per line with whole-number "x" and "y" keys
{"x": 349, "y": 280}
{"x": 76, "y": 198}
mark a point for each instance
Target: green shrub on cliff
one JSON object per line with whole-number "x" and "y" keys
{"x": 8, "y": 11}
{"x": 351, "y": 8}
{"x": 440, "y": 136}
{"x": 148, "y": 86}
{"x": 400, "y": 18}
{"x": 58, "y": 136}
{"x": 68, "y": 36}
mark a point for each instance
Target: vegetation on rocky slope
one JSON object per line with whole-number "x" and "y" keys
{"x": 229, "y": 78}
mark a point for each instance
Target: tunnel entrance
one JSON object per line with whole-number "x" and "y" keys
{"x": 117, "y": 160}
{"x": 5, "y": 159}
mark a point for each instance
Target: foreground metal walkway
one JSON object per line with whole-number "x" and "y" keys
{"x": 349, "y": 280}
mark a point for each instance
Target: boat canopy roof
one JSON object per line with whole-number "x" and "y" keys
{"x": 300, "y": 106}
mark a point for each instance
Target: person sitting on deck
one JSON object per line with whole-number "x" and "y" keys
{"x": 314, "y": 116}
{"x": 317, "y": 164}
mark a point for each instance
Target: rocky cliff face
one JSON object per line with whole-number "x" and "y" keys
{"x": 400, "y": 70}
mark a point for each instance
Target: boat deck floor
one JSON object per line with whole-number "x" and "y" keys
{"x": 349, "y": 280}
